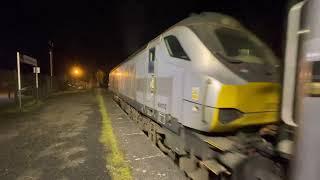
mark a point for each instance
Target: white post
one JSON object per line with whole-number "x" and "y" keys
{"x": 51, "y": 63}
{"x": 51, "y": 69}
{"x": 37, "y": 83}
{"x": 19, "y": 80}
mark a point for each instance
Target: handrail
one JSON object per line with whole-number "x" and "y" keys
{"x": 290, "y": 68}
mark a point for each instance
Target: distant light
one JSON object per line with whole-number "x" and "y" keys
{"x": 76, "y": 72}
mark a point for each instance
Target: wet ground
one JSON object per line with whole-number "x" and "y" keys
{"x": 61, "y": 140}
{"x": 5, "y": 99}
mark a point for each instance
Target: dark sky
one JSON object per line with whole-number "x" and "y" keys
{"x": 102, "y": 33}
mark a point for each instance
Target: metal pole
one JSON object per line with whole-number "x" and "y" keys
{"x": 37, "y": 84}
{"x": 19, "y": 81}
{"x": 51, "y": 69}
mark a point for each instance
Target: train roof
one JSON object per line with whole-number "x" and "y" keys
{"x": 210, "y": 18}
{"x": 194, "y": 19}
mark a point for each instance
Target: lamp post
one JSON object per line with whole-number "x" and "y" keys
{"x": 51, "y": 63}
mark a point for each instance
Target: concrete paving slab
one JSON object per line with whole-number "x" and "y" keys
{"x": 146, "y": 160}
{"x": 57, "y": 141}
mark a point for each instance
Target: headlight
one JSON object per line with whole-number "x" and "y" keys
{"x": 227, "y": 115}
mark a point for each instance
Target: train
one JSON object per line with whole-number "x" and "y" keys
{"x": 206, "y": 91}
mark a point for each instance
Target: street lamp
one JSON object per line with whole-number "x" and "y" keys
{"x": 76, "y": 72}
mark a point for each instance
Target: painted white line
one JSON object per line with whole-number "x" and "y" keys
{"x": 149, "y": 157}
{"x": 131, "y": 134}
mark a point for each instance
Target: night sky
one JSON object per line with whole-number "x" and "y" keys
{"x": 102, "y": 33}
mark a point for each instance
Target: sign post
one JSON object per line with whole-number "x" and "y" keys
{"x": 27, "y": 60}
{"x": 36, "y": 70}
{"x": 19, "y": 81}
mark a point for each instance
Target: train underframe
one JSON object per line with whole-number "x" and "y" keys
{"x": 246, "y": 155}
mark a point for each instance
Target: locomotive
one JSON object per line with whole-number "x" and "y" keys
{"x": 206, "y": 91}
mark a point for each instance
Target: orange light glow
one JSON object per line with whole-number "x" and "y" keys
{"x": 76, "y": 72}
{"x": 118, "y": 74}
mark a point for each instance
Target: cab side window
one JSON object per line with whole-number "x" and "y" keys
{"x": 152, "y": 57}
{"x": 174, "y": 48}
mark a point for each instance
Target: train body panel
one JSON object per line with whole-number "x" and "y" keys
{"x": 179, "y": 79}
{"x": 140, "y": 77}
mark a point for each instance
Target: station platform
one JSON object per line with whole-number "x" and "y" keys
{"x": 79, "y": 135}
{"x": 146, "y": 161}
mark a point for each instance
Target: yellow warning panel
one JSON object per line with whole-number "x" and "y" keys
{"x": 195, "y": 93}
{"x": 313, "y": 88}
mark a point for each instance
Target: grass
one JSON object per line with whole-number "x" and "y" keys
{"x": 117, "y": 166}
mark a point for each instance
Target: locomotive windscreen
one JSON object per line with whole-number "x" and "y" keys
{"x": 316, "y": 71}
{"x": 240, "y": 51}
{"x": 240, "y": 47}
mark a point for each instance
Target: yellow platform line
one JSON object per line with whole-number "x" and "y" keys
{"x": 118, "y": 168}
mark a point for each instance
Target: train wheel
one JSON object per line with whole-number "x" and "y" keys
{"x": 256, "y": 168}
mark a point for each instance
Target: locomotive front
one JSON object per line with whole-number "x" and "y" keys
{"x": 240, "y": 79}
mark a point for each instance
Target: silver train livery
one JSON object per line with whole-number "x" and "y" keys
{"x": 207, "y": 73}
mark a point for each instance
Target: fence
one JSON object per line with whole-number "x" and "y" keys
{"x": 7, "y": 84}
{"x": 8, "y": 87}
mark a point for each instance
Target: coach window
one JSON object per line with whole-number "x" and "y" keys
{"x": 174, "y": 47}
{"x": 152, "y": 53}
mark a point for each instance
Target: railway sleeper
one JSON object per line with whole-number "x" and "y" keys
{"x": 203, "y": 170}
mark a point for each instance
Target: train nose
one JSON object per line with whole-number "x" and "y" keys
{"x": 249, "y": 98}
{"x": 243, "y": 105}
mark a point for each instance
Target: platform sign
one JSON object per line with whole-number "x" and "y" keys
{"x": 36, "y": 70}
{"x": 29, "y": 60}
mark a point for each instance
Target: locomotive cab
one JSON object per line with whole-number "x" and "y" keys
{"x": 239, "y": 78}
